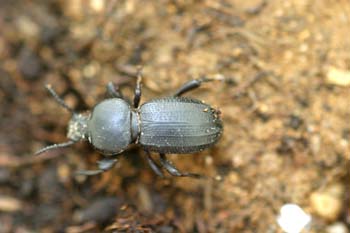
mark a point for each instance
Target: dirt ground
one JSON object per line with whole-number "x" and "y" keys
{"x": 285, "y": 108}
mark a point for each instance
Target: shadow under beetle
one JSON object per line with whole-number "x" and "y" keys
{"x": 166, "y": 125}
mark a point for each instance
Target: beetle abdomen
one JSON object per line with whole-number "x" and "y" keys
{"x": 178, "y": 125}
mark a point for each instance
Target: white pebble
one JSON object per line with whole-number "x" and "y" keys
{"x": 292, "y": 218}
{"x": 337, "y": 227}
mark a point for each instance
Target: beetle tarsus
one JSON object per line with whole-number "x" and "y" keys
{"x": 106, "y": 163}
{"x": 174, "y": 171}
{"x": 103, "y": 165}
{"x": 194, "y": 84}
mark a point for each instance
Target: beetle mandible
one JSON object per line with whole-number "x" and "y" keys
{"x": 165, "y": 125}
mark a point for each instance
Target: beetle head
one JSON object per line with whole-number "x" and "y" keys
{"x": 77, "y": 127}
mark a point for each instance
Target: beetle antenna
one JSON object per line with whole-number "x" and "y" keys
{"x": 58, "y": 99}
{"x": 54, "y": 146}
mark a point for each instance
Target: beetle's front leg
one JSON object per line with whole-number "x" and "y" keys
{"x": 174, "y": 171}
{"x": 113, "y": 92}
{"x": 103, "y": 165}
{"x": 195, "y": 83}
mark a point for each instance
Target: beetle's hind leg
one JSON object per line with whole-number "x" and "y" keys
{"x": 195, "y": 83}
{"x": 103, "y": 165}
{"x": 155, "y": 167}
{"x": 174, "y": 171}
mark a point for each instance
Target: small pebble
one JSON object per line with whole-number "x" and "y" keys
{"x": 145, "y": 199}
{"x": 328, "y": 203}
{"x": 337, "y": 227}
{"x": 27, "y": 27}
{"x": 97, "y": 5}
{"x": 10, "y": 204}
{"x": 338, "y": 77}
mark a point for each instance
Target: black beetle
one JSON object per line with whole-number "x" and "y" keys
{"x": 166, "y": 125}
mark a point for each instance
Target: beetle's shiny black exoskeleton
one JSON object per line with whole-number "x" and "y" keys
{"x": 166, "y": 125}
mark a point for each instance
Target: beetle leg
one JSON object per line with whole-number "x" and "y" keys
{"x": 173, "y": 170}
{"x": 137, "y": 96}
{"x": 113, "y": 92}
{"x": 195, "y": 83}
{"x": 88, "y": 172}
{"x": 155, "y": 167}
{"x": 103, "y": 165}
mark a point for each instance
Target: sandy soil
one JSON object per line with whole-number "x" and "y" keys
{"x": 285, "y": 108}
